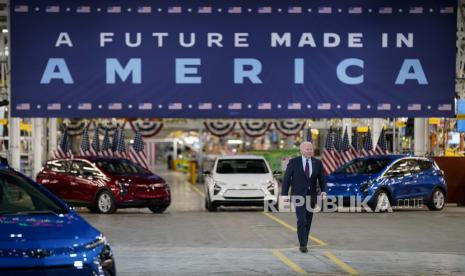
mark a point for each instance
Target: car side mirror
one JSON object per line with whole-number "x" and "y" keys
{"x": 277, "y": 173}
{"x": 207, "y": 173}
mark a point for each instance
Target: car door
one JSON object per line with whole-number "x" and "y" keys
{"x": 83, "y": 182}
{"x": 424, "y": 180}
{"x": 398, "y": 179}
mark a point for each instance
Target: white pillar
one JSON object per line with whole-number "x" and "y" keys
{"x": 377, "y": 126}
{"x": 52, "y": 137}
{"x": 175, "y": 148}
{"x": 394, "y": 137}
{"x": 14, "y": 152}
{"x": 37, "y": 146}
{"x": 419, "y": 135}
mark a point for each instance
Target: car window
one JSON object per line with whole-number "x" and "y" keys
{"x": 425, "y": 165}
{"x": 56, "y": 166}
{"x": 83, "y": 169}
{"x": 18, "y": 195}
{"x": 120, "y": 167}
{"x": 246, "y": 166}
{"x": 401, "y": 168}
{"x": 364, "y": 166}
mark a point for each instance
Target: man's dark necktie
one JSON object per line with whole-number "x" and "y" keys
{"x": 307, "y": 169}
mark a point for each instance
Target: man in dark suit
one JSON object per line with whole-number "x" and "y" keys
{"x": 303, "y": 174}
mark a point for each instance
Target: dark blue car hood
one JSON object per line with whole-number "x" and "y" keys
{"x": 37, "y": 228}
{"x": 351, "y": 179}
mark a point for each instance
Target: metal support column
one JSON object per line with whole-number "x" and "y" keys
{"x": 420, "y": 145}
{"x": 37, "y": 146}
{"x": 52, "y": 137}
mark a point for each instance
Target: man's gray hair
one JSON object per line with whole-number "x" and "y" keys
{"x": 305, "y": 143}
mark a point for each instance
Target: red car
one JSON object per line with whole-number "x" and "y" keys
{"x": 104, "y": 184}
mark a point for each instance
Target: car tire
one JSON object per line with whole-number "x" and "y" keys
{"x": 437, "y": 201}
{"x": 105, "y": 203}
{"x": 381, "y": 202}
{"x": 210, "y": 206}
{"x": 158, "y": 209}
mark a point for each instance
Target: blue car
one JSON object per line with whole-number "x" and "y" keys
{"x": 390, "y": 180}
{"x": 40, "y": 235}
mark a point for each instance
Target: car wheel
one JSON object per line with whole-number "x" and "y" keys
{"x": 158, "y": 209}
{"x": 438, "y": 200}
{"x": 210, "y": 206}
{"x": 105, "y": 203}
{"x": 381, "y": 202}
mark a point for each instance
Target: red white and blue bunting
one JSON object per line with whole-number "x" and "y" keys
{"x": 290, "y": 127}
{"x": 147, "y": 127}
{"x": 220, "y": 128}
{"x": 75, "y": 126}
{"x": 255, "y": 128}
{"x": 110, "y": 124}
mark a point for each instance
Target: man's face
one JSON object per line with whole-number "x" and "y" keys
{"x": 306, "y": 150}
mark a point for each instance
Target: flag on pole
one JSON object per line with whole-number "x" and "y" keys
{"x": 329, "y": 164}
{"x": 137, "y": 152}
{"x": 64, "y": 147}
{"x": 95, "y": 147}
{"x": 120, "y": 150}
{"x": 346, "y": 153}
{"x": 106, "y": 146}
{"x": 381, "y": 147}
{"x": 337, "y": 148}
{"x": 114, "y": 144}
{"x": 368, "y": 145}
{"x": 355, "y": 147}
{"x": 85, "y": 143}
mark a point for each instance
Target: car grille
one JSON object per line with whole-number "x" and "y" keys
{"x": 244, "y": 194}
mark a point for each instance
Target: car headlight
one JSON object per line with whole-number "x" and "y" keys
{"x": 270, "y": 186}
{"x": 365, "y": 185}
{"x": 122, "y": 186}
{"x": 100, "y": 240}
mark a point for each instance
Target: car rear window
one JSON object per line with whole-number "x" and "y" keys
{"x": 246, "y": 166}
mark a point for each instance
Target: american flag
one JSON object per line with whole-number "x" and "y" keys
{"x": 368, "y": 145}
{"x": 354, "y": 106}
{"x": 294, "y": 106}
{"x": 329, "y": 164}
{"x": 85, "y": 143}
{"x": 445, "y": 107}
{"x": 115, "y": 106}
{"x": 106, "y": 146}
{"x": 385, "y": 10}
{"x": 205, "y": 106}
{"x": 137, "y": 153}
{"x": 23, "y": 106}
{"x": 415, "y": 107}
{"x": 235, "y": 106}
{"x": 447, "y": 10}
{"x": 346, "y": 152}
{"x": 114, "y": 9}
{"x": 384, "y": 106}
{"x": 144, "y": 9}
{"x": 175, "y": 106}
{"x": 52, "y": 9}
{"x": 325, "y": 10}
{"x": 54, "y": 106}
{"x": 174, "y": 10}
{"x": 416, "y": 10}
{"x": 234, "y": 10}
{"x": 294, "y": 10}
{"x": 83, "y": 9}
{"x": 95, "y": 147}
{"x": 264, "y": 106}
{"x": 309, "y": 135}
{"x": 337, "y": 148}
{"x": 84, "y": 106}
{"x": 355, "y": 10}
{"x": 264, "y": 10}
{"x": 145, "y": 106}
{"x": 64, "y": 147}
{"x": 205, "y": 10}
{"x": 355, "y": 147}
{"x": 381, "y": 147}
{"x": 120, "y": 150}
{"x": 114, "y": 144}
{"x": 324, "y": 106}
{"x": 21, "y": 8}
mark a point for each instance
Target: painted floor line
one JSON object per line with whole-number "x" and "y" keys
{"x": 340, "y": 263}
{"x": 288, "y": 262}
{"x": 292, "y": 228}
{"x": 197, "y": 190}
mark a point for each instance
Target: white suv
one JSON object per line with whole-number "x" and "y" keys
{"x": 240, "y": 180}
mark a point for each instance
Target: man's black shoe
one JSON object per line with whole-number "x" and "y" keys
{"x": 303, "y": 249}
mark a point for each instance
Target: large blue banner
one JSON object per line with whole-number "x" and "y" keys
{"x": 219, "y": 59}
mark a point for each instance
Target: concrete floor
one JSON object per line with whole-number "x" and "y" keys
{"x": 187, "y": 240}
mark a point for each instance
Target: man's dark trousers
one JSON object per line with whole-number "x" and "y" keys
{"x": 304, "y": 219}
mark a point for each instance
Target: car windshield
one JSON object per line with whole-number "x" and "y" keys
{"x": 250, "y": 166}
{"x": 120, "y": 167}
{"x": 18, "y": 195}
{"x": 363, "y": 166}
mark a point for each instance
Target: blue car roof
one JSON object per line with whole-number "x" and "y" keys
{"x": 388, "y": 156}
